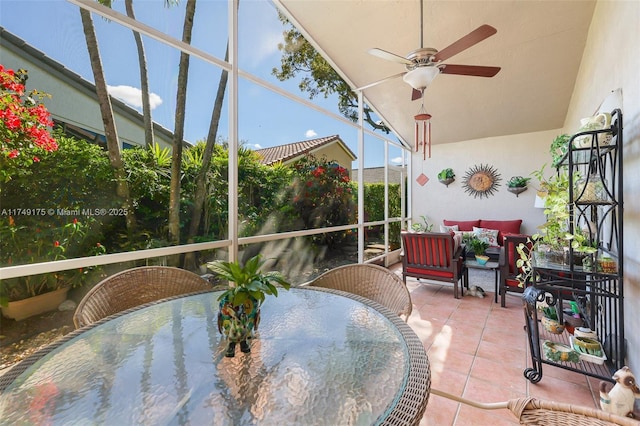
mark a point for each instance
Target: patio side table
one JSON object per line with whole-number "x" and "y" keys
{"x": 473, "y": 264}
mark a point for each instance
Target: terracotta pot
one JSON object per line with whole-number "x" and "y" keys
{"x": 25, "y": 308}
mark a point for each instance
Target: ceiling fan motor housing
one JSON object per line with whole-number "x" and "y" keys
{"x": 420, "y": 58}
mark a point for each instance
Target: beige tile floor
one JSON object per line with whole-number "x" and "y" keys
{"x": 478, "y": 350}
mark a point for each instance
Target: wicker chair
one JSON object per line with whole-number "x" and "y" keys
{"x": 371, "y": 281}
{"x": 135, "y": 287}
{"x": 532, "y": 411}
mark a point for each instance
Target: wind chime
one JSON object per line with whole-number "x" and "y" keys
{"x": 423, "y": 139}
{"x": 423, "y": 132}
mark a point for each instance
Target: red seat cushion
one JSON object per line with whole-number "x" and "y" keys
{"x": 421, "y": 271}
{"x": 512, "y": 283}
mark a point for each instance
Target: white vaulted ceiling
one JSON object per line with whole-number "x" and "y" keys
{"x": 538, "y": 45}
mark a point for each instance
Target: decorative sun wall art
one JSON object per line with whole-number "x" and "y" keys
{"x": 481, "y": 181}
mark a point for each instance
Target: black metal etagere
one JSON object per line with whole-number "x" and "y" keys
{"x": 594, "y": 166}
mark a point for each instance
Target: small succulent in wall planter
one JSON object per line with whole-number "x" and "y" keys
{"x": 517, "y": 184}
{"x": 446, "y": 176}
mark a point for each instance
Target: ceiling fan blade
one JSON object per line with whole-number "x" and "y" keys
{"x": 389, "y": 56}
{"x": 473, "y": 70}
{"x": 375, "y": 83}
{"x": 474, "y": 37}
{"x": 416, "y": 94}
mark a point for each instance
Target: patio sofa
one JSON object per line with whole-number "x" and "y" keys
{"x": 504, "y": 227}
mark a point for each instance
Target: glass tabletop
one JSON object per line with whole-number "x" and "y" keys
{"x": 318, "y": 358}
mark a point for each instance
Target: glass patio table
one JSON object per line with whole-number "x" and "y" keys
{"x": 319, "y": 357}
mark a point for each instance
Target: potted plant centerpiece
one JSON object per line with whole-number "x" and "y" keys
{"x": 446, "y": 176}
{"x": 517, "y": 184}
{"x": 239, "y": 313}
{"x": 479, "y": 247}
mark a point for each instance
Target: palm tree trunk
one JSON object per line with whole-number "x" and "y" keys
{"x": 178, "y": 132}
{"x": 106, "y": 111}
{"x": 201, "y": 179}
{"x": 144, "y": 80}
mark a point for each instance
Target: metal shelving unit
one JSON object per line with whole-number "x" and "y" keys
{"x": 595, "y": 207}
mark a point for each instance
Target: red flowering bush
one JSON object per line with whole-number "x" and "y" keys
{"x": 323, "y": 196}
{"x": 21, "y": 244}
{"x": 24, "y": 124}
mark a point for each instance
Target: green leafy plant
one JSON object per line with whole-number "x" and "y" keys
{"x": 518, "y": 182}
{"x": 247, "y": 281}
{"x": 550, "y": 312}
{"x": 446, "y": 174}
{"x": 581, "y": 242}
{"x": 21, "y": 244}
{"x": 556, "y": 199}
{"x": 559, "y": 148}
{"x": 478, "y": 246}
{"x": 422, "y": 227}
{"x": 523, "y": 261}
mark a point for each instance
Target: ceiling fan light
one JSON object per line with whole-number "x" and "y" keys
{"x": 421, "y": 77}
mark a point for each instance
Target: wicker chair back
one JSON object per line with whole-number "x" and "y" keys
{"x": 371, "y": 281}
{"x": 134, "y": 287}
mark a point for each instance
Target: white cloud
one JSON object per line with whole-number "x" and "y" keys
{"x": 257, "y": 146}
{"x": 397, "y": 160}
{"x": 311, "y": 133}
{"x": 133, "y": 96}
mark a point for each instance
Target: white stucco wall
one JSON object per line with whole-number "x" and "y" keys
{"x": 515, "y": 155}
{"x": 611, "y": 61}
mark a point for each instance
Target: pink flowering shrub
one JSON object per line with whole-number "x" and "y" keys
{"x": 25, "y": 124}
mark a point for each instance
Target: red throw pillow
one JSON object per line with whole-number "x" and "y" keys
{"x": 463, "y": 225}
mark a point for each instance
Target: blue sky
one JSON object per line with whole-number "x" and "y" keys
{"x": 266, "y": 119}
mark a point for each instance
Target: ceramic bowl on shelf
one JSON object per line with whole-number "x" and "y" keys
{"x": 552, "y": 326}
{"x": 559, "y": 352}
{"x": 585, "y": 332}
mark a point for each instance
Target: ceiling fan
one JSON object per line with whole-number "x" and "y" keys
{"x": 424, "y": 64}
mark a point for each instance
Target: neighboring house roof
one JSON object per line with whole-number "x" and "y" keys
{"x": 292, "y": 151}
{"x": 23, "y": 49}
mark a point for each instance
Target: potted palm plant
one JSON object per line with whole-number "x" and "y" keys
{"x": 239, "y": 313}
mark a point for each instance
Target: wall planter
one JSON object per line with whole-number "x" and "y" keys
{"x": 25, "y": 308}
{"x": 446, "y": 181}
{"x": 446, "y": 176}
{"x": 517, "y": 184}
{"x": 517, "y": 190}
